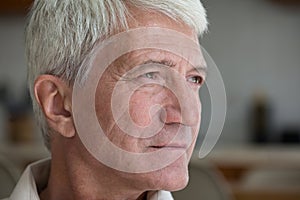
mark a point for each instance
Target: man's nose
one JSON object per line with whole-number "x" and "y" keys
{"x": 181, "y": 104}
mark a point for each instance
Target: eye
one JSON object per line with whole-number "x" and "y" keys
{"x": 198, "y": 80}
{"x": 150, "y": 75}
{"x": 150, "y": 79}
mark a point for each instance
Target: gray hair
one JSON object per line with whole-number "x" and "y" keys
{"x": 61, "y": 33}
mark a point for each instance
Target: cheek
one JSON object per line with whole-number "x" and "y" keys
{"x": 139, "y": 108}
{"x": 197, "y": 113}
{"x": 103, "y": 98}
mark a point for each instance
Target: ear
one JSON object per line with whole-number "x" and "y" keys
{"x": 55, "y": 99}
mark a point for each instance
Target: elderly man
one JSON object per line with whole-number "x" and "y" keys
{"x": 115, "y": 88}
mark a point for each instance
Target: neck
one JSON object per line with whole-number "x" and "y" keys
{"x": 75, "y": 177}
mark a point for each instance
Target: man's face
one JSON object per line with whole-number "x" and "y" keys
{"x": 150, "y": 76}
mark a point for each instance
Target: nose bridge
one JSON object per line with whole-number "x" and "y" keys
{"x": 183, "y": 102}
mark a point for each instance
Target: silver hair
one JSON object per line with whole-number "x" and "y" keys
{"x": 61, "y": 33}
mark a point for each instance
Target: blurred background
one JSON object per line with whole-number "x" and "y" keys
{"x": 256, "y": 45}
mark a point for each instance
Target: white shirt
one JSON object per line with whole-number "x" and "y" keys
{"x": 35, "y": 178}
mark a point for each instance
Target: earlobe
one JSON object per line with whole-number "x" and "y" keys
{"x": 55, "y": 99}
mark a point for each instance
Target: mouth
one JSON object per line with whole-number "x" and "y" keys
{"x": 169, "y": 146}
{"x": 172, "y": 138}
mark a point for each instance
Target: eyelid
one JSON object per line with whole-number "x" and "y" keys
{"x": 144, "y": 69}
{"x": 201, "y": 73}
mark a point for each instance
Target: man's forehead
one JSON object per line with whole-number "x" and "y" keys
{"x": 160, "y": 57}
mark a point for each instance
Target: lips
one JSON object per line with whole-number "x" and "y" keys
{"x": 170, "y": 145}
{"x": 172, "y": 137}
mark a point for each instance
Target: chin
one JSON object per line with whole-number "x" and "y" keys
{"x": 171, "y": 178}
{"x": 177, "y": 175}
{"x": 176, "y": 185}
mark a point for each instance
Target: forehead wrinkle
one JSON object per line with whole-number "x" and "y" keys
{"x": 148, "y": 56}
{"x": 161, "y": 62}
{"x": 172, "y": 62}
{"x": 162, "y": 57}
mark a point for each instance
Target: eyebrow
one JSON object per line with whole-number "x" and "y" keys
{"x": 171, "y": 64}
{"x": 162, "y": 62}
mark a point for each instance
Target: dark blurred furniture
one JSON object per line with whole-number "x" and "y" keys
{"x": 274, "y": 183}
{"x": 260, "y": 172}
